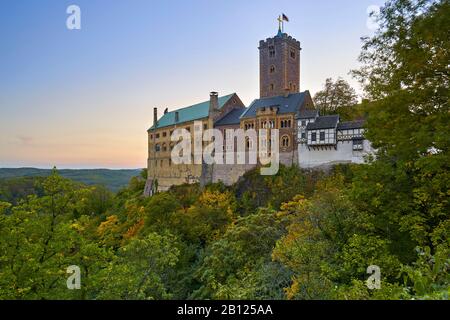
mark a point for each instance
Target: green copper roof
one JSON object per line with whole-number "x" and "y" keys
{"x": 191, "y": 113}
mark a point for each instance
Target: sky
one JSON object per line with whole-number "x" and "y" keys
{"x": 84, "y": 98}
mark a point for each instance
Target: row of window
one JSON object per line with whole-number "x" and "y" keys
{"x": 285, "y": 123}
{"x": 248, "y": 126}
{"x": 272, "y": 52}
{"x": 351, "y": 132}
{"x": 285, "y": 142}
{"x": 314, "y": 136}
{"x": 164, "y": 133}
{"x": 269, "y": 124}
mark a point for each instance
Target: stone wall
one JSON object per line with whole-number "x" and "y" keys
{"x": 311, "y": 158}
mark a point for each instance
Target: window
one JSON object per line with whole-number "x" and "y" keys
{"x": 303, "y": 135}
{"x": 249, "y": 126}
{"x": 272, "y": 87}
{"x": 286, "y": 123}
{"x": 313, "y": 136}
{"x": 357, "y": 144}
{"x": 157, "y": 147}
{"x": 164, "y": 147}
{"x": 303, "y": 123}
{"x": 249, "y": 143}
{"x": 285, "y": 141}
{"x": 272, "y": 69}
{"x": 292, "y": 53}
{"x": 157, "y": 136}
{"x": 322, "y": 136}
{"x": 164, "y": 134}
{"x": 151, "y": 136}
{"x": 271, "y": 51}
{"x": 205, "y": 126}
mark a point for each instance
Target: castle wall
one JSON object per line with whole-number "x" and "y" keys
{"x": 344, "y": 153}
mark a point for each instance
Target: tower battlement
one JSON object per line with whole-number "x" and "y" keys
{"x": 279, "y": 66}
{"x": 279, "y": 38}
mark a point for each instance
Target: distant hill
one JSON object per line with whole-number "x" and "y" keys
{"x": 112, "y": 179}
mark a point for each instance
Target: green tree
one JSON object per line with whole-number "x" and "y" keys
{"x": 140, "y": 269}
{"x": 336, "y": 95}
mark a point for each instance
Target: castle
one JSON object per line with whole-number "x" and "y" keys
{"x": 305, "y": 138}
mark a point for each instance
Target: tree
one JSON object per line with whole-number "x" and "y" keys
{"x": 42, "y": 236}
{"x": 335, "y": 96}
{"x": 405, "y": 74}
{"x": 231, "y": 266}
{"x": 139, "y": 271}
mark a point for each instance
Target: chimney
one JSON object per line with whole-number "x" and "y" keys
{"x": 213, "y": 102}
{"x": 166, "y": 110}
{"x": 155, "y": 117}
{"x": 177, "y": 116}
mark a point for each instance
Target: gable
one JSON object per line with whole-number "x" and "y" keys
{"x": 292, "y": 103}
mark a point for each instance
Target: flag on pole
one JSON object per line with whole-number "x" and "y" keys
{"x": 285, "y": 18}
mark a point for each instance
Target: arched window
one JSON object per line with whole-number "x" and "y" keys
{"x": 272, "y": 87}
{"x": 272, "y": 69}
{"x": 285, "y": 141}
{"x": 164, "y": 147}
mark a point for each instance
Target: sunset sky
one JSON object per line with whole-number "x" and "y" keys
{"x": 84, "y": 98}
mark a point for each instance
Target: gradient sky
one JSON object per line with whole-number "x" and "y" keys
{"x": 84, "y": 98}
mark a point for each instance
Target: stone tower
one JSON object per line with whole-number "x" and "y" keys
{"x": 279, "y": 65}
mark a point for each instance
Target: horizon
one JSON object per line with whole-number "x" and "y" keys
{"x": 83, "y": 99}
{"x": 70, "y": 168}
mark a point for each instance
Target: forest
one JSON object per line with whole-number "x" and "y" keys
{"x": 302, "y": 234}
